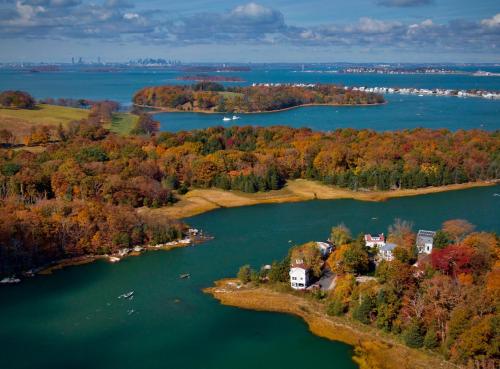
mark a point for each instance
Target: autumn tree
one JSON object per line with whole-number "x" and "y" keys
{"x": 457, "y": 229}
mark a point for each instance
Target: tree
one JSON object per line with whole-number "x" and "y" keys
{"x": 245, "y": 274}
{"x": 402, "y": 235}
{"x": 457, "y": 229}
{"x": 431, "y": 339}
{"x": 453, "y": 260}
{"x": 441, "y": 240}
{"x": 16, "y": 99}
{"x": 414, "y": 335}
{"x": 364, "y": 309}
{"x": 340, "y": 235}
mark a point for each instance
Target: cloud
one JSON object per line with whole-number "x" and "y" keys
{"x": 249, "y": 24}
{"x": 493, "y": 22}
{"x": 404, "y": 3}
{"x": 245, "y": 22}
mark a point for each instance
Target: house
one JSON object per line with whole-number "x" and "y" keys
{"x": 386, "y": 252}
{"x": 425, "y": 241}
{"x": 372, "y": 241}
{"x": 325, "y": 248}
{"x": 299, "y": 275}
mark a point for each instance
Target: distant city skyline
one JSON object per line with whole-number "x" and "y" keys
{"x": 237, "y": 31}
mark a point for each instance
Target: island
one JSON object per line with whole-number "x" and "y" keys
{"x": 210, "y": 97}
{"x": 408, "y": 300}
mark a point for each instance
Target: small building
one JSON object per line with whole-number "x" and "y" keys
{"x": 372, "y": 241}
{"x": 425, "y": 241}
{"x": 325, "y": 248}
{"x": 299, "y": 275}
{"x": 386, "y": 252}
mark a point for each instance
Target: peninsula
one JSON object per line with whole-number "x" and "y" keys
{"x": 408, "y": 300}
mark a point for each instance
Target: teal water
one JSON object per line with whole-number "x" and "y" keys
{"x": 401, "y": 112}
{"x": 73, "y": 319}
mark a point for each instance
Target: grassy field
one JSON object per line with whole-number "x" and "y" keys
{"x": 374, "y": 349}
{"x": 20, "y": 121}
{"x": 199, "y": 201}
{"x": 123, "y": 123}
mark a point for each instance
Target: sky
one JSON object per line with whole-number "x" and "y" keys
{"x": 245, "y": 31}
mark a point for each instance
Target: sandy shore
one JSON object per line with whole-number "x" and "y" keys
{"x": 200, "y": 201}
{"x": 373, "y": 348}
{"x": 159, "y": 109}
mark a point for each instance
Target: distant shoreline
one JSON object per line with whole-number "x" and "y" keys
{"x": 159, "y": 109}
{"x": 373, "y": 349}
{"x": 199, "y": 201}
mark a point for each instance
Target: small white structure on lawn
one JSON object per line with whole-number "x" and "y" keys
{"x": 372, "y": 241}
{"x": 425, "y": 241}
{"x": 299, "y": 275}
{"x": 386, "y": 252}
{"x": 325, "y": 248}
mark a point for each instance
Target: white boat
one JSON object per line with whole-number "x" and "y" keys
{"x": 9, "y": 280}
{"x": 127, "y": 295}
{"x": 226, "y": 119}
{"x": 235, "y": 117}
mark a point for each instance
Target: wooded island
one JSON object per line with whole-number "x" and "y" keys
{"x": 210, "y": 97}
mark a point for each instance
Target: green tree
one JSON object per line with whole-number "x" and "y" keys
{"x": 414, "y": 335}
{"x": 431, "y": 338}
{"x": 245, "y": 274}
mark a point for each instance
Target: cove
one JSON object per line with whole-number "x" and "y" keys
{"x": 73, "y": 318}
{"x": 400, "y": 112}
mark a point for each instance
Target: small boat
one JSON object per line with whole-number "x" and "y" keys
{"x": 496, "y": 194}
{"x": 235, "y": 117}
{"x": 226, "y": 119}
{"x": 127, "y": 295}
{"x": 10, "y": 280}
{"x": 374, "y": 218}
{"x": 130, "y": 312}
{"x": 184, "y": 276}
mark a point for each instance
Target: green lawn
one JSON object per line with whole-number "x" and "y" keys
{"x": 230, "y": 94}
{"x": 123, "y": 123}
{"x": 43, "y": 114}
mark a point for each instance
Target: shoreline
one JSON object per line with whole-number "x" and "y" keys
{"x": 199, "y": 201}
{"x": 373, "y": 349}
{"x": 51, "y": 267}
{"x": 159, "y": 109}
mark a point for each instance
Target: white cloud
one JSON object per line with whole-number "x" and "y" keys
{"x": 492, "y": 22}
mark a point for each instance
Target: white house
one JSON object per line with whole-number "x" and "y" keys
{"x": 425, "y": 241}
{"x": 325, "y": 248}
{"x": 372, "y": 241}
{"x": 386, "y": 252}
{"x": 299, "y": 275}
